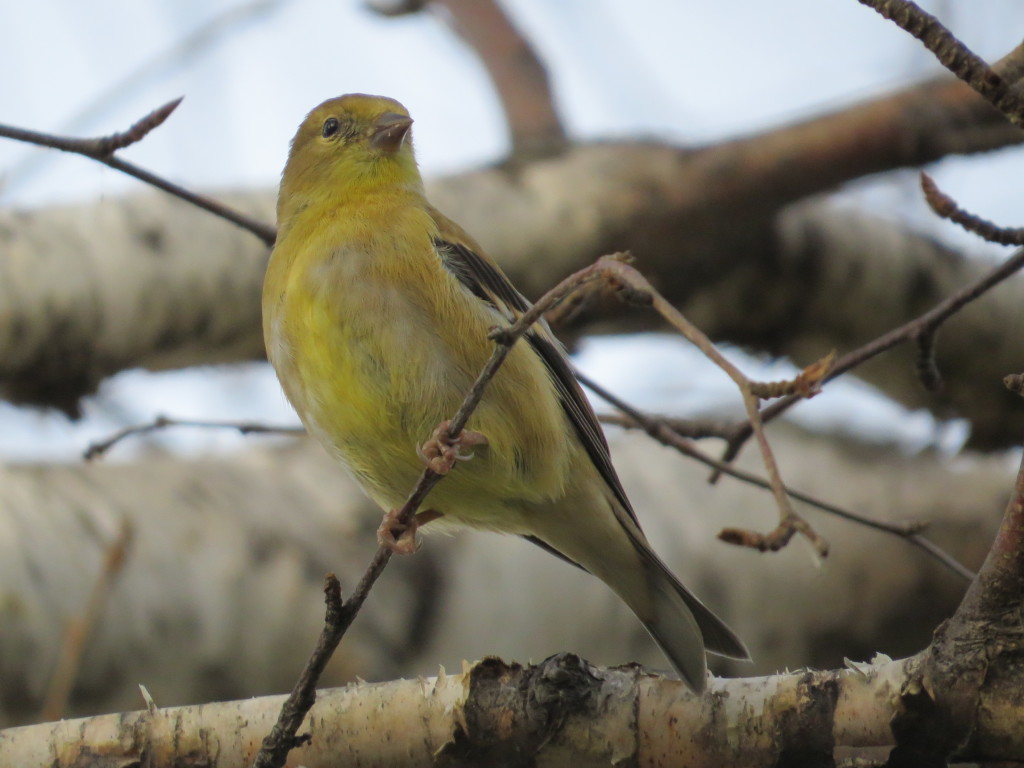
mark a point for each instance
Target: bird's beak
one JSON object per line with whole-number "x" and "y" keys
{"x": 389, "y": 132}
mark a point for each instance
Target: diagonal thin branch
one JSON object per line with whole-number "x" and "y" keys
{"x": 789, "y": 522}
{"x": 98, "y": 449}
{"x": 102, "y": 150}
{"x": 926, "y": 323}
{"x": 953, "y": 55}
{"x": 662, "y": 430}
{"x": 945, "y": 206}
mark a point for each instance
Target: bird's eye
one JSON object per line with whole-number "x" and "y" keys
{"x": 331, "y": 127}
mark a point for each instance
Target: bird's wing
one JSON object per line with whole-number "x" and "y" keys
{"x": 487, "y": 282}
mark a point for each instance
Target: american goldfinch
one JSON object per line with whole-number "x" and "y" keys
{"x": 376, "y": 310}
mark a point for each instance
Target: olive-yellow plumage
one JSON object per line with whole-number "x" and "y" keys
{"x": 376, "y": 310}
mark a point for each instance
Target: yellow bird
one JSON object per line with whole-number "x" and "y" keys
{"x": 376, "y": 310}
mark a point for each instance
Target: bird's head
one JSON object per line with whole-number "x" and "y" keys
{"x": 351, "y": 144}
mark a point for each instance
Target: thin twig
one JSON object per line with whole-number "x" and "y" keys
{"x": 97, "y": 148}
{"x": 695, "y": 429}
{"x": 933, "y": 549}
{"x": 95, "y": 450}
{"x": 927, "y": 322}
{"x": 947, "y": 208}
{"x": 282, "y": 738}
{"x": 77, "y": 632}
{"x": 108, "y": 145}
{"x": 662, "y": 430}
{"x": 953, "y": 55}
{"x": 579, "y": 303}
{"x": 789, "y": 521}
{"x": 805, "y": 384}
{"x": 262, "y": 230}
{"x": 102, "y": 150}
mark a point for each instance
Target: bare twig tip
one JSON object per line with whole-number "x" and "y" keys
{"x": 96, "y": 450}
{"x": 139, "y": 129}
{"x": 741, "y": 537}
{"x": 810, "y": 379}
{"x": 953, "y": 55}
{"x": 805, "y": 384}
{"x": 947, "y": 208}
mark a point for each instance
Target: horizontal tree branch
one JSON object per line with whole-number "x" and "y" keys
{"x": 560, "y": 712}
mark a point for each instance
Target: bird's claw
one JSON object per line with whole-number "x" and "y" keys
{"x": 441, "y": 451}
{"x": 399, "y": 536}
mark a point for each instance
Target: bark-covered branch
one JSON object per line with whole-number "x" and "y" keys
{"x": 147, "y": 281}
{"x": 560, "y": 712}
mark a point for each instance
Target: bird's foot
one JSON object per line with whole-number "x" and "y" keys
{"x": 400, "y": 537}
{"x": 441, "y": 451}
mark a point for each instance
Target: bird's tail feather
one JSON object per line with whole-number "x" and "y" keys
{"x": 682, "y": 625}
{"x": 613, "y": 548}
{"x": 718, "y": 637}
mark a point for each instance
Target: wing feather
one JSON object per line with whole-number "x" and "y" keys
{"x": 487, "y": 282}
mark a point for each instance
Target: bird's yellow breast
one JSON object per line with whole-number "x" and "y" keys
{"x": 375, "y": 351}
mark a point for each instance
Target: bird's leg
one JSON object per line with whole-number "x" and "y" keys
{"x": 400, "y": 537}
{"x": 441, "y": 451}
